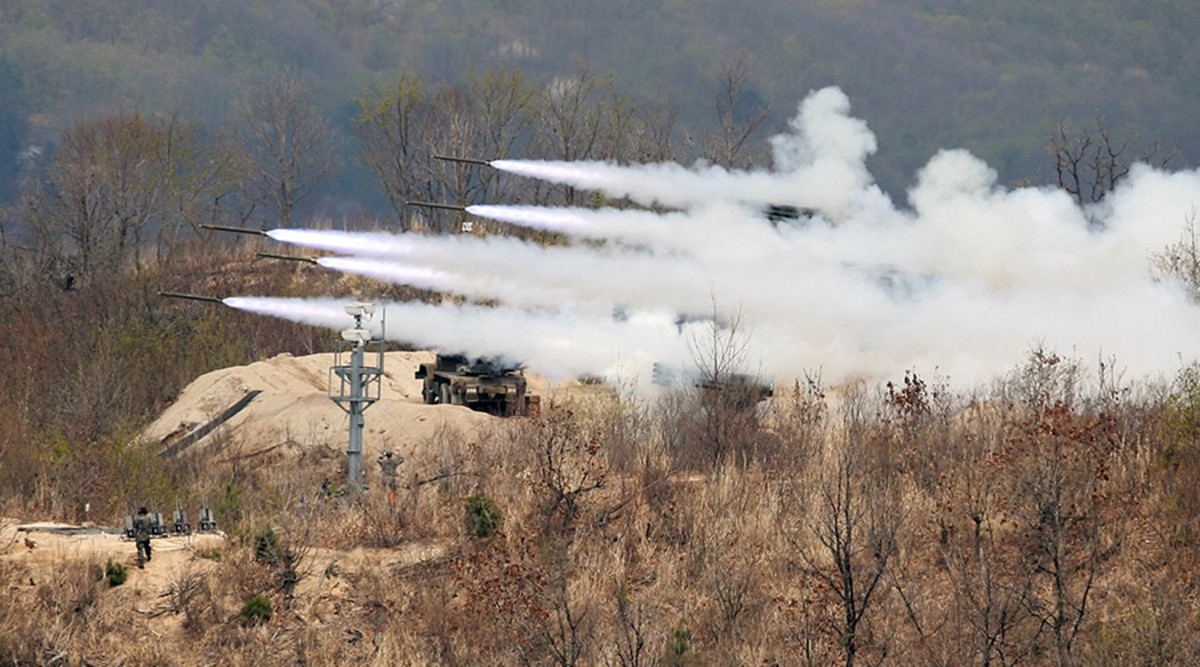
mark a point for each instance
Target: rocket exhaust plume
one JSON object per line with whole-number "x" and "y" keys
{"x": 817, "y": 166}
{"x": 413, "y": 276}
{"x": 966, "y": 279}
{"x": 535, "y": 217}
{"x": 559, "y": 345}
{"x": 350, "y": 243}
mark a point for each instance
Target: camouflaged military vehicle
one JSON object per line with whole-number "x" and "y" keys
{"x": 482, "y": 384}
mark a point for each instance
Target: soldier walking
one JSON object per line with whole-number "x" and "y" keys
{"x": 387, "y": 467}
{"x": 142, "y": 528}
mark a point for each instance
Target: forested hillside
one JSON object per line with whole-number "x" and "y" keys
{"x": 925, "y": 74}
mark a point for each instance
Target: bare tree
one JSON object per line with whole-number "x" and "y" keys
{"x": 570, "y": 463}
{"x": 633, "y": 645}
{"x": 288, "y": 143}
{"x": 849, "y": 533}
{"x": 403, "y": 126}
{"x": 1057, "y": 469}
{"x": 1089, "y": 163}
{"x": 584, "y": 117}
{"x": 394, "y": 124}
{"x": 505, "y": 103}
{"x": 568, "y": 632}
{"x": 654, "y": 136}
{"x": 724, "y": 417}
{"x": 740, "y": 113}
{"x": 114, "y": 183}
{"x": 991, "y": 584}
{"x": 1181, "y": 260}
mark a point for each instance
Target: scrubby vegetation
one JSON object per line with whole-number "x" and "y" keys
{"x": 115, "y": 573}
{"x": 257, "y": 609}
{"x": 483, "y": 517}
{"x": 1047, "y": 519}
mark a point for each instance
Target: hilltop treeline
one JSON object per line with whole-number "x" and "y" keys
{"x": 925, "y": 74}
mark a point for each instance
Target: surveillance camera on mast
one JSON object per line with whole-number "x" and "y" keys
{"x": 354, "y": 384}
{"x": 360, "y": 309}
{"x": 356, "y": 335}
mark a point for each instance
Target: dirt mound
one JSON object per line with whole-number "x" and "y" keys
{"x": 283, "y": 403}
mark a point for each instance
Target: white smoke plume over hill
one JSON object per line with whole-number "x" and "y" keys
{"x": 966, "y": 280}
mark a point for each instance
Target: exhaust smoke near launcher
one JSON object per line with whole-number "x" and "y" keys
{"x": 823, "y": 269}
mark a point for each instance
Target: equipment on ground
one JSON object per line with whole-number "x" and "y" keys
{"x": 179, "y": 523}
{"x": 157, "y": 527}
{"x": 485, "y": 385}
{"x": 207, "y": 523}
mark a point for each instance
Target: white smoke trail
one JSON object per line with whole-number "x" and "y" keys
{"x": 705, "y": 232}
{"x": 317, "y": 312}
{"x": 379, "y": 244}
{"x": 559, "y": 345}
{"x": 820, "y": 165}
{"x": 489, "y": 287}
{"x": 967, "y": 280}
{"x": 390, "y": 271}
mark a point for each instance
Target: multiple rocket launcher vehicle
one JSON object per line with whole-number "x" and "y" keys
{"x": 484, "y": 384}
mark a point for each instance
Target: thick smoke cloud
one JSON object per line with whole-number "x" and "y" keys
{"x": 966, "y": 279}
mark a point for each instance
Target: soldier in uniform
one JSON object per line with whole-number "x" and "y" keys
{"x": 388, "y": 463}
{"x": 142, "y": 528}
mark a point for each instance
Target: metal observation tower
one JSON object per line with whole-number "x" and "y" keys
{"x": 354, "y": 386}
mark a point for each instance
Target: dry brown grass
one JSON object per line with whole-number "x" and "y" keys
{"x": 657, "y": 564}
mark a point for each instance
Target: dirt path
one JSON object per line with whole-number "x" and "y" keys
{"x": 39, "y": 548}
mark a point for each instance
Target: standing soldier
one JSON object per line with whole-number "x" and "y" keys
{"x": 387, "y": 466}
{"x": 142, "y": 528}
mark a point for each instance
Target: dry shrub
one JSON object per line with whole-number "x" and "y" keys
{"x": 798, "y": 424}
{"x": 380, "y": 524}
{"x": 53, "y": 621}
{"x": 242, "y": 575}
{"x": 569, "y": 463}
{"x": 189, "y": 594}
{"x": 736, "y": 528}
